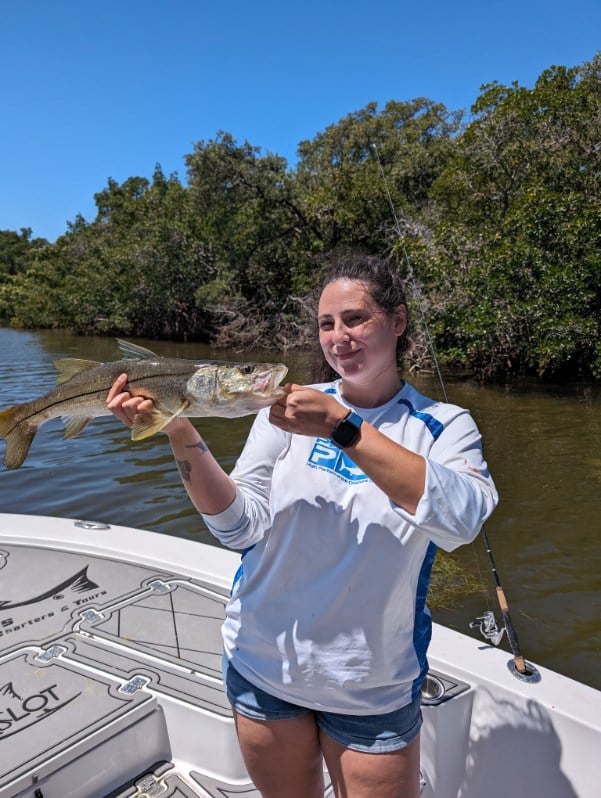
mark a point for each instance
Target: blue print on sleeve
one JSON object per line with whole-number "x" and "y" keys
{"x": 431, "y": 423}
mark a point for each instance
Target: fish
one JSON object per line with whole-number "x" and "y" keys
{"x": 177, "y": 386}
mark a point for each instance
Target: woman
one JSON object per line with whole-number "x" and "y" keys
{"x": 339, "y": 499}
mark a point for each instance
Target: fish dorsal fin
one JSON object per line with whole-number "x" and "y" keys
{"x": 147, "y": 424}
{"x": 134, "y": 351}
{"x": 70, "y": 366}
{"x": 74, "y": 425}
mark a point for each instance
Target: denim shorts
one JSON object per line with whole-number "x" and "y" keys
{"x": 374, "y": 734}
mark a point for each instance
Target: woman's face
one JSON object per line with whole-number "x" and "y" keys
{"x": 358, "y": 338}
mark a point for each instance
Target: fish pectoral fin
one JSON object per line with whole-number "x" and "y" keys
{"x": 147, "y": 424}
{"x": 74, "y": 425}
{"x": 70, "y": 366}
{"x": 134, "y": 351}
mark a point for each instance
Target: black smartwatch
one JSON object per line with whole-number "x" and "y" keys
{"x": 346, "y": 431}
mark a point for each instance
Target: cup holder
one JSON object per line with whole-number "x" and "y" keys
{"x": 432, "y": 690}
{"x": 439, "y": 687}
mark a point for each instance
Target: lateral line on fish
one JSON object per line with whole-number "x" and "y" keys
{"x": 83, "y": 393}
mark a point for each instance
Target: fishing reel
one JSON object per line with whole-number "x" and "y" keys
{"x": 487, "y": 626}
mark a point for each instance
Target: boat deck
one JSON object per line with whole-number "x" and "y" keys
{"x": 103, "y": 660}
{"x": 110, "y": 681}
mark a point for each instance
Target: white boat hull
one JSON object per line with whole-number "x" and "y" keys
{"x": 110, "y": 682}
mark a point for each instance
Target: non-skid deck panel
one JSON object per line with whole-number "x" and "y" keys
{"x": 188, "y": 686}
{"x": 160, "y": 785}
{"x": 44, "y": 591}
{"x": 97, "y": 622}
{"x": 175, "y": 621}
{"x": 170, "y": 633}
{"x": 52, "y": 711}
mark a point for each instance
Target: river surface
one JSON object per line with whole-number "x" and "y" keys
{"x": 542, "y": 443}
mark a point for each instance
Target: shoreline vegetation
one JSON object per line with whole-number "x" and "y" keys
{"x": 496, "y": 229}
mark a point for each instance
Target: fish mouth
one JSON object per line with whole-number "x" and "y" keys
{"x": 268, "y": 381}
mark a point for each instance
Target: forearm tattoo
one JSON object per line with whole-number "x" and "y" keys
{"x": 185, "y": 466}
{"x": 185, "y": 469}
{"x": 201, "y": 445}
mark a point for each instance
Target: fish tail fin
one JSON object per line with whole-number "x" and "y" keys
{"x": 18, "y": 436}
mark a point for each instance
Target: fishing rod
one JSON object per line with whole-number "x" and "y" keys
{"x": 486, "y": 622}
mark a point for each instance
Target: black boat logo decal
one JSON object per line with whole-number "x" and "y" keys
{"x": 9, "y": 691}
{"x": 78, "y": 583}
{"x": 21, "y": 713}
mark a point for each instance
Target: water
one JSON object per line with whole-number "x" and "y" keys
{"x": 543, "y": 445}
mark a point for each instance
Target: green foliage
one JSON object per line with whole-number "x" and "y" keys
{"x": 514, "y": 269}
{"x": 16, "y": 251}
{"x": 34, "y": 297}
{"x": 340, "y": 172}
{"x": 495, "y": 223}
{"x": 250, "y": 211}
{"x": 135, "y": 269}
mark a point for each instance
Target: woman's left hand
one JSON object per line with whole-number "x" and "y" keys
{"x": 399, "y": 472}
{"x": 307, "y": 411}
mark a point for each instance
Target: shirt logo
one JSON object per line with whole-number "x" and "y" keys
{"x": 328, "y": 457}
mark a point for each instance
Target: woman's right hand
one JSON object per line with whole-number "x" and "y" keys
{"x": 125, "y": 406}
{"x": 209, "y": 487}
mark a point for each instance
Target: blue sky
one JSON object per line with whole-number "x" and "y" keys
{"x": 90, "y": 91}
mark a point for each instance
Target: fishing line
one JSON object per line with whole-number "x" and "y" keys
{"x": 414, "y": 283}
{"x": 486, "y": 622}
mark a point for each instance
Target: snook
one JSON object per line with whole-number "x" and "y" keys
{"x": 177, "y": 387}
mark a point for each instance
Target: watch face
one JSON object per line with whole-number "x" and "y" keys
{"x": 347, "y": 430}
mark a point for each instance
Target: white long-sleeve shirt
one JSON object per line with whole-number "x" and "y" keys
{"x": 328, "y": 609}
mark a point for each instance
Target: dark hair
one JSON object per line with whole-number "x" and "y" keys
{"x": 386, "y": 289}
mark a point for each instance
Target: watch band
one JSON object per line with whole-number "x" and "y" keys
{"x": 347, "y": 430}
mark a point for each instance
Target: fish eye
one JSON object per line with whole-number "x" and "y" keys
{"x": 247, "y": 369}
